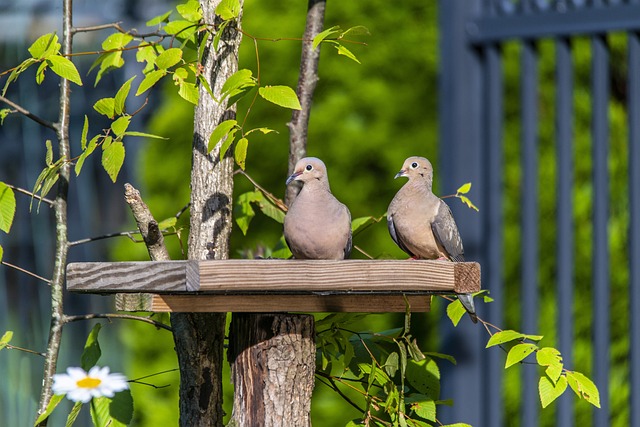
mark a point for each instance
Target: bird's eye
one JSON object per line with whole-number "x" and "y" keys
{"x": 309, "y": 167}
{"x": 414, "y": 165}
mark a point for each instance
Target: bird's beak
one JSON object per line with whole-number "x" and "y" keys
{"x": 401, "y": 173}
{"x": 293, "y": 177}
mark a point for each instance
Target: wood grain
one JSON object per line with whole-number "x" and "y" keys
{"x": 283, "y": 276}
{"x": 288, "y": 303}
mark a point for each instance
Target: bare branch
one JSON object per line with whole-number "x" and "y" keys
{"x": 24, "y": 350}
{"x": 160, "y": 325}
{"x": 128, "y": 234}
{"x": 28, "y": 114}
{"x": 273, "y": 199}
{"x": 47, "y": 281}
{"x": 29, "y": 193}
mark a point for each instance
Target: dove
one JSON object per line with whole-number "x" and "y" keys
{"x": 421, "y": 224}
{"x": 317, "y": 225}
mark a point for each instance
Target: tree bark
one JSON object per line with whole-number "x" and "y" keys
{"x": 199, "y": 336}
{"x": 272, "y": 360}
{"x": 272, "y": 356}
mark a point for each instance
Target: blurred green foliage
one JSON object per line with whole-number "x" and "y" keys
{"x": 366, "y": 119}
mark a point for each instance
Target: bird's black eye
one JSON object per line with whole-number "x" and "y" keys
{"x": 309, "y": 167}
{"x": 414, "y": 165}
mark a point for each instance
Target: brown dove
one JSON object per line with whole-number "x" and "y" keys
{"x": 317, "y": 225}
{"x": 421, "y": 224}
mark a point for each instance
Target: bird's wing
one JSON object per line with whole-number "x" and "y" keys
{"x": 394, "y": 235}
{"x": 446, "y": 233}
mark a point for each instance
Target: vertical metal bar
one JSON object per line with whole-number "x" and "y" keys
{"x": 529, "y": 136}
{"x": 633, "y": 97}
{"x": 600, "y": 262}
{"x": 493, "y": 129}
{"x": 564, "y": 141}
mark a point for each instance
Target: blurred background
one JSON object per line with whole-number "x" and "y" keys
{"x": 436, "y": 79}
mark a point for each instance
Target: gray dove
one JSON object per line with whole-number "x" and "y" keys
{"x": 317, "y": 225}
{"x": 422, "y": 225}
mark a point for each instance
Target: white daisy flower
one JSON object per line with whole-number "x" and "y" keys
{"x": 81, "y": 386}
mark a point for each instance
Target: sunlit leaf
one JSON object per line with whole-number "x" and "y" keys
{"x": 240, "y": 153}
{"x": 220, "y": 131}
{"x": 112, "y": 159}
{"x": 190, "y": 10}
{"x": 584, "y": 387}
{"x": 40, "y": 72}
{"x": 324, "y": 35}
{"x": 143, "y": 134}
{"x": 504, "y": 337}
{"x": 158, "y": 19}
{"x": 106, "y": 107}
{"x": 358, "y": 30}
{"x": 189, "y": 92}
{"x": 6, "y": 338}
{"x": 552, "y": 359}
{"x": 64, "y": 68}
{"x": 55, "y": 400}
{"x": 425, "y": 409}
{"x": 4, "y": 112}
{"x": 120, "y": 125}
{"x": 455, "y": 311}
{"x": 550, "y": 391}
{"x": 7, "y": 207}
{"x": 228, "y": 9}
{"x": 150, "y": 80}
{"x": 169, "y": 58}
{"x": 44, "y": 46}
{"x": 116, "y": 41}
{"x": 283, "y": 96}
{"x": 73, "y": 415}
{"x": 167, "y": 223}
{"x": 518, "y": 352}
{"x": 121, "y": 96}
{"x": 237, "y": 83}
{"x": 342, "y": 50}
{"x": 464, "y": 189}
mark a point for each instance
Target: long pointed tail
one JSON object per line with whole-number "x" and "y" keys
{"x": 467, "y": 303}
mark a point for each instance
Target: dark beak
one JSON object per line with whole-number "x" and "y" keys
{"x": 401, "y": 173}
{"x": 293, "y": 177}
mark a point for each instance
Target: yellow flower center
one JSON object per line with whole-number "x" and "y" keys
{"x": 89, "y": 382}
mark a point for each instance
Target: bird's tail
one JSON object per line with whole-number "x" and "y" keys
{"x": 467, "y": 303}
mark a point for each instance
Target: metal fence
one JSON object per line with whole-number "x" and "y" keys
{"x": 472, "y": 98}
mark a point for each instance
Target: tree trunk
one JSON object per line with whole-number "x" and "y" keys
{"x": 272, "y": 360}
{"x": 272, "y": 356}
{"x": 199, "y": 336}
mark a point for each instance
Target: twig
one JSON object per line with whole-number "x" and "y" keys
{"x": 47, "y": 281}
{"x": 137, "y": 380}
{"x": 334, "y": 386}
{"x": 270, "y": 196}
{"x": 29, "y": 193}
{"x": 76, "y": 318}
{"x": 128, "y": 234}
{"x": 114, "y": 25}
{"x": 28, "y": 114}
{"x": 362, "y": 251}
{"x": 26, "y": 350}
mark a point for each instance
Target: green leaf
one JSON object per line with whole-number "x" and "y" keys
{"x": 92, "y": 351}
{"x": 169, "y": 58}
{"x": 148, "y": 53}
{"x": 190, "y": 10}
{"x": 221, "y": 131}
{"x": 455, "y": 311}
{"x": 189, "y": 92}
{"x": 243, "y": 212}
{"x": 283, "y": 96}
{"x": 85, "y": 131}
{"x": 504, "y": 337}
{"x": 442, "y": 356}
{"x": 550, "y": 391}
{"x": 116, "y": 41}
{"x": 64, "y": 68}
{"x": 228, "y": 9}
{"x": 4, "y": 112}
{"x": 100, "y": 411}
{"x": 324, "y": 35}
{"x": 48, "y": 158}
{"x": 358, "y": 30}
{"x": 46, "y": 45}
{"x": 1, "y": 252}
{"x": 17, "y": 71}
{"x": 218, "y": 35}
{"x": 467, "y": 202}
{"x": 424, "y": 376}
{"x": 263, "y": 130}
{"x": 120, "y": 125}
{"x": 237, "y": 83}
{"x": 121, "y": 409}
{"x": 425, "y": 409}
{"x": 158, "y": 19}
{"x": 342, "y": 50}
{"x": 584, "y": 387}
{"x": 518, "y": 353}
{"x": 6, "y": 338}
{"x": 106, "y": 107}
{"x": 271, "y": 210}
{"x": 112, "y": 159}
{"x": 150, "y": 80}
{"x": 121, "y": 96}
{"x": 392, "y": 364}
{"x": 167, "y": 223}
{"x": 40, "y": 73}
{"x": 7, "y": 207}
{"x": 45, "y": 181}
{"x": 55, "y": 400}
{"x": 240, "y": 153}
{"x": 108, "y": 61}
{"x": 143, "y": 134}
{"x": 90, "y": 148}
{"x": 359, "y": 224}
{"x": 180, "y": 28}
{"x": 552, "y": 359}
{"x": 73, "y": 415}
{"x": 464, "y": 189}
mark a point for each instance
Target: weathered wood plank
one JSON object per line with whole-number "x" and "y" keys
{"x": 144, "y": 276}
{"x": 288, "y": 303}
{"x": 283, "y": 276}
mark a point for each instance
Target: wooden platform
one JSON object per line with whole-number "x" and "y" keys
{"x": 274, "y": 285}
